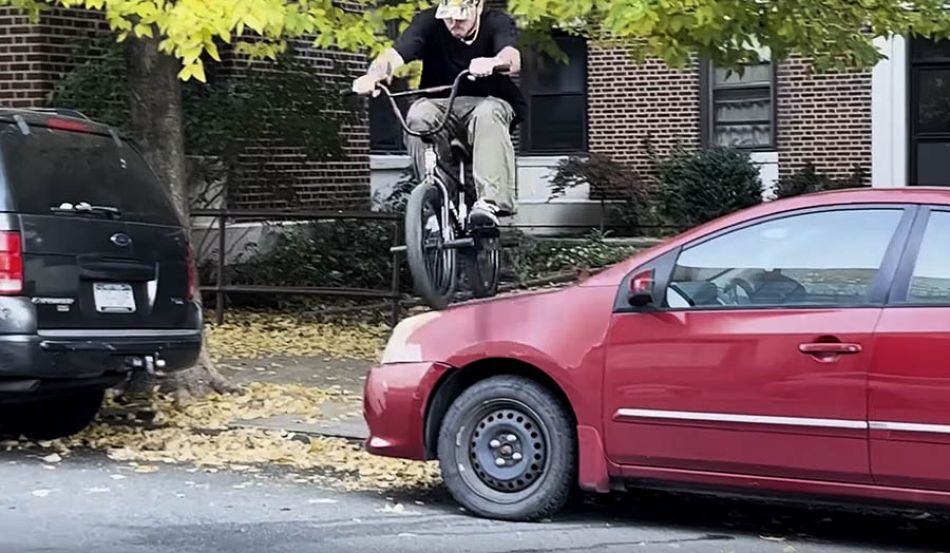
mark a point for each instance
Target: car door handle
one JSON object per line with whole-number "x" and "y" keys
{"x": 829, "y": 347}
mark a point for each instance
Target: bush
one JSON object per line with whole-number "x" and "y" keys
{"x": 346, "y": 254}
{"x": 698, "y": 186}
{"x": 629, "y": 204}
{"x": 808, "y": 180}
{"x": 531, "y": 257}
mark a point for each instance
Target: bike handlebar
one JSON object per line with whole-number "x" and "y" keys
{"x": 453, "y": 87}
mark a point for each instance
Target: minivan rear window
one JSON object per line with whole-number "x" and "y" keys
{"x": 48, "y": 167}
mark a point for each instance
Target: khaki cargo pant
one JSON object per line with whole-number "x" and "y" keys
{"x": 484, "y": 124}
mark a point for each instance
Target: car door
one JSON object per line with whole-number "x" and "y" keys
{"x": 755, "y": 360}
{"x": 909, "y": 383}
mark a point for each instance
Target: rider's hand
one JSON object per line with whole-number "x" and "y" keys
{"x": 483, "y": 67}
{"x": 366, "y": 85}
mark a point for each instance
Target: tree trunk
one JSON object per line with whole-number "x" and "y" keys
{"x": 157, "y": 124}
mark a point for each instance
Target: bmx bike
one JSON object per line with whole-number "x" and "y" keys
{"x": 436, "y": 217}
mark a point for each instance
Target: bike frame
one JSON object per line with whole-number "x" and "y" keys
{"x": 449, "y": 212}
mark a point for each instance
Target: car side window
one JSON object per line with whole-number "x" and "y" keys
{"x": 930, "y": 281}
{"x": 819, "y": 258}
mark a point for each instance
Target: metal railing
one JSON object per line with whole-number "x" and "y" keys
{"x": 221, "y": 287}
{"x": 391, "y": 296}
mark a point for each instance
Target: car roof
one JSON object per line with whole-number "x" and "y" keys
{"x": 41, "y": 117}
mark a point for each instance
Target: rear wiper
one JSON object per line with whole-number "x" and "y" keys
{"x": 84, "y": 207}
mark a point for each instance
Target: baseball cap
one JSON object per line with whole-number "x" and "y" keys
{"x": 456, "y": 9}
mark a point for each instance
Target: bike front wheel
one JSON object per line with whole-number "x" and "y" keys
{"x": 483, "y": 266}
{"x": 433, "y": 267}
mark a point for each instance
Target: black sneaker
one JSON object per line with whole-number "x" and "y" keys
{"x": 484, "y": 214}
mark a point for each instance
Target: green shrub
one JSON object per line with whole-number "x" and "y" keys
{"x": 808, "y": 179}
{"x": 530, "y": 257}
{"x": 344, "y": 254}
{"x": 698, "y": 186}
{"x": 622, "y": 192}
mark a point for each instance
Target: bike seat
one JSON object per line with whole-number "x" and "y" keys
{"x": 461, "y": 150}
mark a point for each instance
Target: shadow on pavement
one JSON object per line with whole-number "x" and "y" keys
{"x": 792, "y": 522}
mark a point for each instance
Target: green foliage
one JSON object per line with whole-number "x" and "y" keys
{"x": 698, "y": 186}
{"x": 808, "y": 179}
{"x": 835, "y": 33}
{"x": 97, "y": 86}
{"x": 348, "y": 254}
{"x": 531, "y": 257}
{"x": 630, "y": 206}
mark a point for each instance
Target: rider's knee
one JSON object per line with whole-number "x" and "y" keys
{"x": 492, "y": 110}
{"x": 423, "y": 113}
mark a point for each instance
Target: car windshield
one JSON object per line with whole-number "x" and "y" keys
{"x": 47, "y": 168}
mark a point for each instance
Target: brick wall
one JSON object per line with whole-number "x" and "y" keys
{"x": 292, "y": 180}
{"x": 629, "y": 102}
{"x": 34, "y": 57}
{"x": 824, "y": 118}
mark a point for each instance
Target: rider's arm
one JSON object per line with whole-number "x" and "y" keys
{"x": 511, "y": 57}
{"x": 505, "y": 42}
{"x": 385, "y": 64}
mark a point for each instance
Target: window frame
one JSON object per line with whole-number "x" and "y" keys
{"x": 707, "y": 112}
{"x": 524, "y": 129}
{"x": 878, "y": 294}
{"x": 900, "y": 290}
{"x": 915, "y": 66}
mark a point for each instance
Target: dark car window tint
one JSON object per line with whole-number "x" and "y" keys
{"x": 49, "y": 167}
{"x": 825, "y": 258}
{"x": 930, "y": 282}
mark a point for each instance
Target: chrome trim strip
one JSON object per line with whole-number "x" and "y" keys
{"x": 117, "y": 333}
{"x": 911, "y": 427}
{"x": 752, "y": 419}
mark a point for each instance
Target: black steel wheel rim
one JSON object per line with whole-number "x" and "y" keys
{"x": 504, "y": 450}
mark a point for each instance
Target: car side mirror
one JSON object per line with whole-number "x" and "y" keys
{"x": 641, "y": 290}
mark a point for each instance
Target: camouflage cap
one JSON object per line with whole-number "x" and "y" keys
{"x": 456, "y": 9}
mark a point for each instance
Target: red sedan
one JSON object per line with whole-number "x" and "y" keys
{"x": 801, "y": 346}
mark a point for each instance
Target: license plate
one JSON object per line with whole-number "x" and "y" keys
{"x": 113, "y": 297}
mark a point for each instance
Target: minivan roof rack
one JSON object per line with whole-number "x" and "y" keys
{"x": 62, "y": 111}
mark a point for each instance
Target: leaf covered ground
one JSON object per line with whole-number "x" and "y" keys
{"x": 207, "y": 433}
{"x": 199, "y": 433}
{"x": 257, "y": 334}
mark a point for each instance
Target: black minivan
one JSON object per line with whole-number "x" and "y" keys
{"x": 96, "y": 275}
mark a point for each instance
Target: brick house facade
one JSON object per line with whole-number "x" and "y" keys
{"x": 889, "y": 121}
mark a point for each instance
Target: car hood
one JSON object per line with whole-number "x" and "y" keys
{"x": 543, "y": 327}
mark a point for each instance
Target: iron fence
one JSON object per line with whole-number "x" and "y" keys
{"x": 220, "y": 288}
{"x": 391, "y": 296}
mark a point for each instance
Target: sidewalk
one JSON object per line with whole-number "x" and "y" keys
{"x": 341, "y": 419}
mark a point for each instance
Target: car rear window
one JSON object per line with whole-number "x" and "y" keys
{"x": 49, "y": 167}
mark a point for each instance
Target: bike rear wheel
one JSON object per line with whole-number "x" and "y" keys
{"x": 483, "y": 266}
{"x": 427, "y": 229}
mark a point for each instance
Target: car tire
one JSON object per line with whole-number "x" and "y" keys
{"x": 54, "y": 417}
{"x": 507, "y": 450}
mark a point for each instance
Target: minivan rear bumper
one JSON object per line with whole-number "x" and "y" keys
{"x": 93, "y": 354}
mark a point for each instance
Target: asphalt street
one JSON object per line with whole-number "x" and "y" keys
{"x": 89, "y": 503}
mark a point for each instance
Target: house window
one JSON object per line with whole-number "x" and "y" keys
{"x": 739, "y": 110}
{"x": 929, "y": 112}
{"x": 556, "y": 96}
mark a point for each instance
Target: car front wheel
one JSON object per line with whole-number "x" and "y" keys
{"x": 507, "y": 449}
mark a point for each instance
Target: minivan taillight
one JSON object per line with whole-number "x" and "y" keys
{"x": 192, "y": 280}
{"x": 11, "y": 263}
